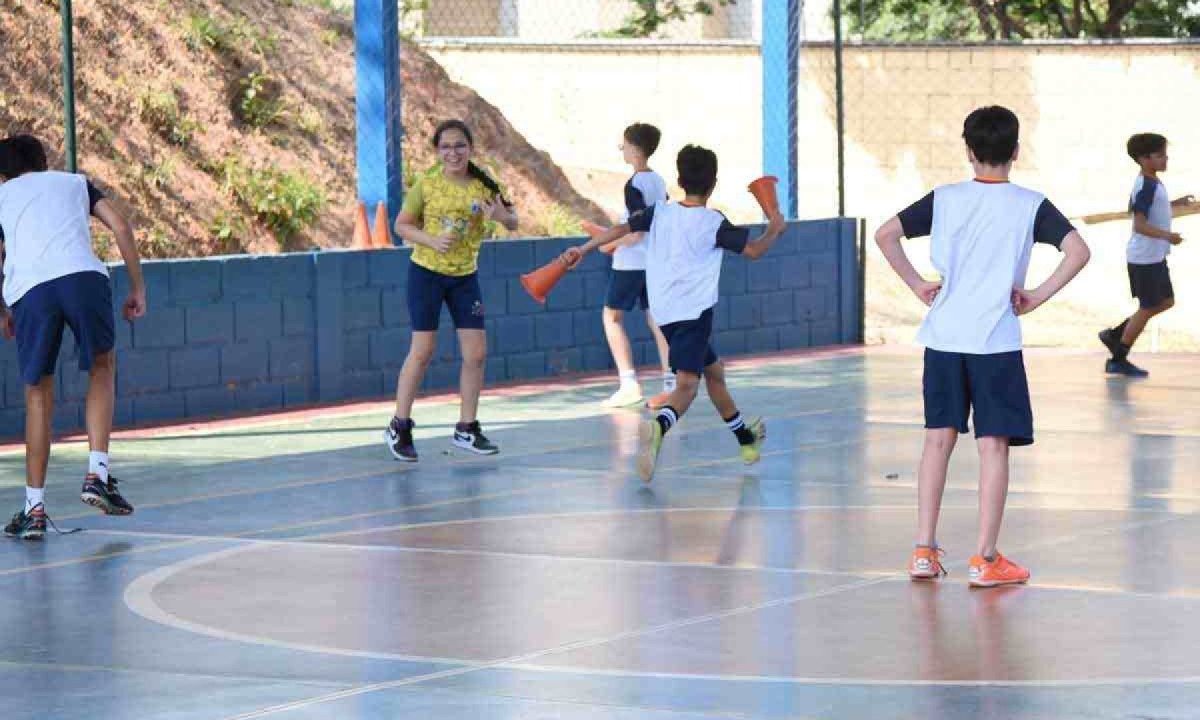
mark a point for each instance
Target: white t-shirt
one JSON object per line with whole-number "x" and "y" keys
{"x": 44, "y": 222}
{"x": 643, "y": 190}
{"x": 684, "y": 249}
{"x": 982, "y": 234}
{"x": 1149, "y": 197}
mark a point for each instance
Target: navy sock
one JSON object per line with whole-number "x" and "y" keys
{"x": 738, "y": 426}
{"x": 666, "y": 418}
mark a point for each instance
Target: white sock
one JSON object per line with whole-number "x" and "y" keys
{"x": 669, "y": 382}
{"x": 628, "y": 378}
{"x": 98, "y": 465}
{"x": 34, "y": 497}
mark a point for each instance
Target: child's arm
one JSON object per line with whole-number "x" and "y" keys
{"x": 107, "y": 213}
{"x": 887, "y": 237}
{"x": 759, "y": 246}
{"x": 572, "y": 256}
{"x": 1075, "y": 255}
{"x": 408, "y": 230}
{"x": 1142, "y": 226}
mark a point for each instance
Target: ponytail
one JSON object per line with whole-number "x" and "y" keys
{"x": 472, "y": 169}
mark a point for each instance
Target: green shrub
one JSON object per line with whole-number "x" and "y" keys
{"x": 557, "y": 221}
{"x": 160, "y": 110}
{"x": 259, "y": 103}
{"x": 287, "y": 203}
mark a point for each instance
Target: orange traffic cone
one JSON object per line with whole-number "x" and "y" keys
{"x": 763, "y": 190}
{"x": 362, "y": 232}
{"x": 540, "y": 282}
{"x": 381, "y": 237}
{"x": 592, "y": 229}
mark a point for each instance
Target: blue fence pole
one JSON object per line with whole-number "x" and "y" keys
{"x": 780, "y": 103}
{"x": 377, "y": 61}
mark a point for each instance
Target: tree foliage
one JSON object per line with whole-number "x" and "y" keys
{"x": 975, "y": 20}
{"x": 650, "y": 16}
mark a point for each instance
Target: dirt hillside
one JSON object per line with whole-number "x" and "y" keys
{"x": 228, "y": 125}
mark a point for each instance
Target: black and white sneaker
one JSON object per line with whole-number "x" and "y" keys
{"x": 469, "y": 436}
{"x": 103, "y": 495}
{"x": 399, "y": 439}
{"x": 1124, "y": 367}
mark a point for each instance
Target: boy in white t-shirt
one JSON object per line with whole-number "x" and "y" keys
{"x": 53, "y": 280}
{"x": 685, "y": 244}
{"x": 627, "y": 283}
{"x": 1146, "y": 256}
{"x": 982, "y": 234}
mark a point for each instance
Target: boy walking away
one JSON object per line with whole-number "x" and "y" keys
{"x": 52, "y": 280}
{"x": 627, "y": 284}
{"x": 684, "y": 250}
{"x": 982, "y": 234}
{"x": 1149, "y": 245}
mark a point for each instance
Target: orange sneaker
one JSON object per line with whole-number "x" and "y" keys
{"x": 1000, "y": 571}
{"x": 926, "y": 564}
{"x": 659, "y": 401}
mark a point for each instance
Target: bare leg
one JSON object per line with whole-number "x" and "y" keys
{"x": 688, "y": 383}
{"x": 100, "y": 399}
{"x": 664, "y": 351}
{"x": 420, "y": 352}
{"x": 718, "y": 391}
{"x": 931, "y": 481}
{"x": 993, "y": 491}
{"x": 39, "y": 410}
{"x": 1137, "y": 321}
{"x": 618, "y": 340}
{"x": 470, "y": 380}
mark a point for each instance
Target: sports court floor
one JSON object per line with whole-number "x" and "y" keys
{"x": 287, "y": 568}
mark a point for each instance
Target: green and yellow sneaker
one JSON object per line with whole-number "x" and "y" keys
{"x": 752, "y": 453}
{"x": 650, "y": 437}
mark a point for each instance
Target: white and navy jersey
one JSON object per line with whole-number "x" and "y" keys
{"x": 45, "y": 227}
{"x": 1149, "y": 197}
{"x": 684, "y": 248}
{"x": 643, "y": 190}
{"x": 982, "y": 234}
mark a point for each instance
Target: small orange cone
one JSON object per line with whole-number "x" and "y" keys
{"x": 763, "y": 190}
{"x": 381, "y": 237}
{"x": 362, "y": 232}
{"x": 540, "y": 282}
{"x": 592, "y": 229}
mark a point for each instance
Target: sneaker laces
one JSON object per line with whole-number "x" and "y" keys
{"x": 49, "y": 522}
{"x": 938, "y": 554}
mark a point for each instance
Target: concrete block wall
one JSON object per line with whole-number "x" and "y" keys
{"x": 233, "y": 335}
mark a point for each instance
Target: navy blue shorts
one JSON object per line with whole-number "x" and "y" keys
{"x": 428, "y": 290}
{"x": 1150, "y": 284}
{"x": 993, "y": 386}
{"x": 81, "y": 301}
{"x": 690, "y": 343}
{"x": 626, "y": 290}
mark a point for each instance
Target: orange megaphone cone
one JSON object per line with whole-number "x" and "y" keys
{"x": 763, "y": 190}
{"x": 381, "y": 236}
{"x": 362, "y": 233}
{"x": 540, "y": 282}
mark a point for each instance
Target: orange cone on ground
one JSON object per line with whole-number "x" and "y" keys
{"x": 362, "y": 232}
{"x": 540, "y": 282}
{"x": 763, "y": 190}
{"x": 381, "y": 236}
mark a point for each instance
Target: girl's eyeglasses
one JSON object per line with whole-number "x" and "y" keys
{"x": 458, "y": 148}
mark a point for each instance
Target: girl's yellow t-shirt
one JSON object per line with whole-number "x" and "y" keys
{"x": 449, "y": 209}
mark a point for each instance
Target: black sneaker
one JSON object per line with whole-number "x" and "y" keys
{"x": 399, "y": 439}
{"x": 28, "y": 525}
{"x": 1112, "y": 341}
{"x": 470, "y": 437}
{"x": 104, "y": 495}
{"x": 1124, "y": 367}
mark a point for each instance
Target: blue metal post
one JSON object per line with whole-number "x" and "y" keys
{"x": 377, "y": 61}
{"x": 780, "y": 104}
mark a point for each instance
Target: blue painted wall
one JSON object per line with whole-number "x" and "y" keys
{"x": 239, "y": 334}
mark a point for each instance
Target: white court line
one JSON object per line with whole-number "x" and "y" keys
{"x": 139, "y": 598}
{"x": 70, "y": 668}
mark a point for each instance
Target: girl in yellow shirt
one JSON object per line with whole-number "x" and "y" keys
{"x": 444, "y": 218}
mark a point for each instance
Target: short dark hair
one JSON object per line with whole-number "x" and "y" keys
{"x": 697, "y": 170}
{"x": 1143, "y": 144}
{"x": 20, "y": 154}
{"x": 991, "y": 133}
{"x": 644, "y": 136}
